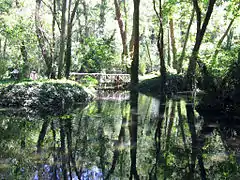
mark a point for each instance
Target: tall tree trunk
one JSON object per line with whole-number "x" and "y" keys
{"x": 173, "y": 44}
{"x": 68, "y": 55}
{"x": 135, "y": 60}
{"x": 214, "y": 58}
{"x": 123, "y": 32}
{"x": 180, "y": 61}
{"x": 191, "y": 73}
{"x": 62, "y": 39}
{"x": 169, "y": 62}
{"x": 53, "y": 49}
{"x": 160, "y": 46}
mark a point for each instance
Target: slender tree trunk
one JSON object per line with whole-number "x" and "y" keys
{"x": 68, "y": 55}
{"x": 123, "y": 32}
{"x": 160, "y": 46}
{"x": 68, "y": 52}
{"x": 135, "y": 61}
{"x": 173, "y": 44}
{"x": 169, "y": 62}
{"x": 191, "y": 73}
{"x": 62, "y": 39}
{"x": 214, "y": 58}
{"x": 180, "y": 61}
{"x": 53, "y": 49}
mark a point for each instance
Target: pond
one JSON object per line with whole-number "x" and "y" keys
{"x": 120, "y": 135}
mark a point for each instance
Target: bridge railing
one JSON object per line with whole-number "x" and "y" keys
{"x": 104, "y": 78}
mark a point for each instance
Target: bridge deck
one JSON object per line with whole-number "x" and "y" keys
{"x": 103, "y": 77}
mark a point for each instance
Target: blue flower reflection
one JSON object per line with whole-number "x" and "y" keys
{"x": 47, "y": 172}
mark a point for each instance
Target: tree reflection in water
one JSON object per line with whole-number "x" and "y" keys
{"x": 140, "y": 138}
{"x": 133, "y": 131}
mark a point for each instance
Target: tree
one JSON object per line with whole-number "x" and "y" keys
{"x": 235, "y": 8}
{"x": 135, "y": 60}
{"x": 173, "y": 43}
{"x": 62, "y": 39}
{"x": 68, "y": 55}
{"x": 42, "y": 40}
{"x": 160, "y": 45}
{"x": 123, "y": 30}
{"x": 180, "y": 61}
{"x": 201, "y": 29}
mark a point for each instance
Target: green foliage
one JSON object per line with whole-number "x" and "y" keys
{"x": 96, "y": 54}
{"x": 225, "y": 60}
{"x": 142, "y": 68}
{"x": 16, "y": 27}
{"x": 89, "y": 81}
{"x": 3, "y": 68}
{"x": 5, "y": 5}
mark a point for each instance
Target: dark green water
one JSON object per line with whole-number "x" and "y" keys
{"x": 120, "y": 138}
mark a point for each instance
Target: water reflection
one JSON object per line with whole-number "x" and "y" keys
{"x": 117, "y": 138}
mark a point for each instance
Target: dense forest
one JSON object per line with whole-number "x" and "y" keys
{"x": 53, "y": 38}
{"x": 74, "y": 75}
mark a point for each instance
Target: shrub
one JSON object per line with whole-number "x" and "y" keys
{"x": 44, "y": 96}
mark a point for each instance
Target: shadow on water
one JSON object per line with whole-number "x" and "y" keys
{"x": 115, "y": 137}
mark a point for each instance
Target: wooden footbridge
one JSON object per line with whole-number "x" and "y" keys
{"x": 106, "y": 81}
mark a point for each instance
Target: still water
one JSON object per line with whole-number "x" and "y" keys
{"x": 120, "y": 136}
